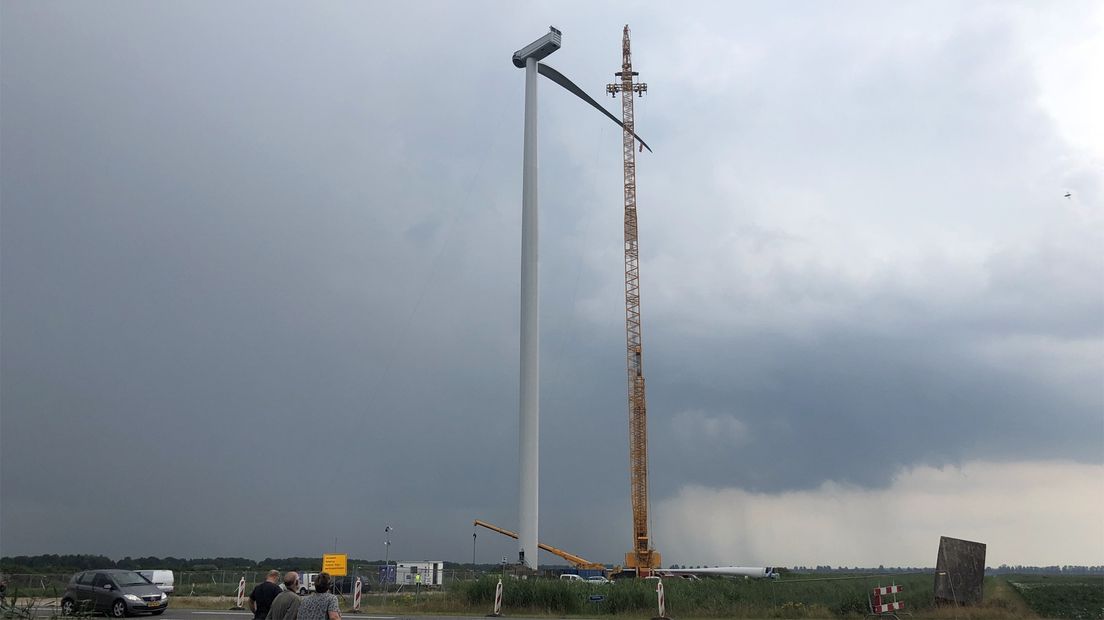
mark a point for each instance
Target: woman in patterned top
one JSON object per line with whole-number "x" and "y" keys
{"x": 321, "y": 605}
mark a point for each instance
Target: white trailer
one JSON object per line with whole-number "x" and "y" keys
{"x": 425, "y": 573}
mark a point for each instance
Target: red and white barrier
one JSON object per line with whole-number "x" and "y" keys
{"x": 884, "y": 590}
{"x": 877, "y": 606}
{"x": 498, "y": 601}
{"x": 241, "y": 593}
{"x": 886, "y": 608}
{"x": 357, "y": 588}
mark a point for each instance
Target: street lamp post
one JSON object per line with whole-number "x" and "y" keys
{"x": 386, "y": 561}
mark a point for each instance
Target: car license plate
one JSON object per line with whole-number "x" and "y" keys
{"x": 153, "y": 604}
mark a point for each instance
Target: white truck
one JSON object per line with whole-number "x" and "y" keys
{"x": 163, "y": 579}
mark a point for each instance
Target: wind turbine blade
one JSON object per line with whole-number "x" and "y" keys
{"x": 570, "y": 86}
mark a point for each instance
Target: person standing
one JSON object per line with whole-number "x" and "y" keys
{"x": 260, "y": 599}
{"x": 286, "y": 605}
{"x": 322, "y": 605}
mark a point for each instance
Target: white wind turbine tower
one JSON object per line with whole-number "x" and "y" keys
{"x": 528, "y": 58}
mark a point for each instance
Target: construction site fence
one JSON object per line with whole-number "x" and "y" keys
{"x": 846, "y": 595}
{"x": 225, "y": 582}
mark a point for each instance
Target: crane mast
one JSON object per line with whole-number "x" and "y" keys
{"x": 643, "y": 557}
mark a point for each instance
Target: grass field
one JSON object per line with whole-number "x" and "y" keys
{"x": 795, "y": 597}
{"x": 1062, "y": 596}
{"x": 798, "y": 596}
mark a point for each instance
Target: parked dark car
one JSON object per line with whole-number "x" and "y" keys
{"x": 117, "y": 593}
{"x": 346, "y": 584}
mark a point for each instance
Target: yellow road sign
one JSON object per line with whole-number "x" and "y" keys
{"x": 336, "y": 564}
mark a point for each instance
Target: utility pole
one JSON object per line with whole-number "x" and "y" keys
{"x": 642, "y": 557}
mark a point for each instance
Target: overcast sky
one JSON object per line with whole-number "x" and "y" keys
{"x": 260, "y": 279}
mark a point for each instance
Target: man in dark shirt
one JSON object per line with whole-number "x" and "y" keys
{"x": 260, "y": 599}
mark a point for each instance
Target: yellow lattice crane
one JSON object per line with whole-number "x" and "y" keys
{"x": 643, "y": 558}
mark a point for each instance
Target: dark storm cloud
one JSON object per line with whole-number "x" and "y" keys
{"x": 253, "y": 252}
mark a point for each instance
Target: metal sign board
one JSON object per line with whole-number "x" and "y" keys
{"x": 387, "y": 574}
{"x": 336, "y": 564}
{"x": 959, "y": 571}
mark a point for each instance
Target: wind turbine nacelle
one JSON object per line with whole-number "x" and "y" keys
{"x": 538, "y": 49}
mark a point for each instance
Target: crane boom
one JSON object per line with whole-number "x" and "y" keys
{"x": 643, "y": 557}
{"x": 570, "y": 557}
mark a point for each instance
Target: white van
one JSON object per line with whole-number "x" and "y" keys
{"x": 306, "y": 583}
{"x": 571, "y": 577}
{"x": 163, "y": 579}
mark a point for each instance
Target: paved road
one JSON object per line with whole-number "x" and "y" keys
{"x": 211, "y": 614}
{"x": 215, "y": 615}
